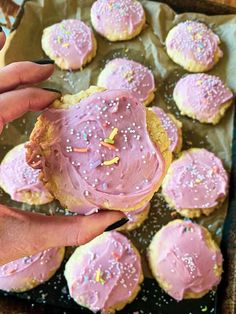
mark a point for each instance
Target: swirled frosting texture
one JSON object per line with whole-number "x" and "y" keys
{"x": 196, "y": 180}
{"x": 70, "y": 40}
{"x": 27, "y": 272}
{"x": 130, "y": 75}
{"x": 19, "y": 180}
{"x": 201, "y": 95}
{"x": 79, "y": 157}
{"x": 103, "y": 273}
{"x": 170, "y": 127}
{"x": 117, "y": 20}
{"x": 187, "y": 264}
{"x": 195, "y": 41}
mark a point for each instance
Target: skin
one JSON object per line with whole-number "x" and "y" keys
{"x": 29, "y": 233}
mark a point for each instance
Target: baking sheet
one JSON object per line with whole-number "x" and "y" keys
{"x": 148, "y": 48}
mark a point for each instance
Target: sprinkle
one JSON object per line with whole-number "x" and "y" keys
{"x": 98, "y": 274}
{"x": 85, "y": 136}
{"x": 198, "y": 180}
{"x": 204, "y": 309}
{"x": 105, "y": 124}
{"x": 189, "y": 27}
{"x": 108, "y": 145}
{"x": 113, "y": 133}
{"x": 109, "y": 141}
{"x": 115, "y": 255}
{"x": 111, "y": 161}
{"x": 95, "y": 164}
{"x": 59, "y": 39}
{"x": 99, "y": 277}
{"x": 80, "y": 150}
{"x": 104, "y": 186}
{"x": 198, "y": 36}
{"x": 199, "y": 82}
{"x": 65, "y": 45}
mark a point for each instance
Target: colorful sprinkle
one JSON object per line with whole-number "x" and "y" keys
{"x": 108, "y": 145}
{"x": 99, "y": 277}
{"x": 80, "y": 150}
{"x": 109, "y": 141}
{"x": 113, "y": 134}
{"x": 95, "y": 164}
{"x": 111, "y": 161}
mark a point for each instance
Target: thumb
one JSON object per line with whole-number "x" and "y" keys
{"x": 29, "y": 233}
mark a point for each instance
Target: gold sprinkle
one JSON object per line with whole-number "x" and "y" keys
{"x": 198, "y": 36}
{"x": 98, "y": 275}
{"x": 115, "y": 160}
{"x": 109, "y": 141}
{"x": 113, "y": 134}
{"x": 65, "y": 45}
{"x": 59, "y": 39}
{"x": 199, "y": 82}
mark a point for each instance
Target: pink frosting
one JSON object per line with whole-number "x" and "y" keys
{"x": 105, "y": 273}
{"x": 83, "y": 175}
{"x": 17, "y": 177}
{"x": 117, "y": 17}
{"x": 203, "y": 94}
{"x": 196, "y": 180}
{"x": 187, "y": 263}
{"x": 196, "y": 42}
{"x": 18, "y": 275}
{"x": 71, "y": 40}
{"x": 169, "y": 126}
{"x": 126, "y": 74}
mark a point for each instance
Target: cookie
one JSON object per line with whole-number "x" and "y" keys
{"x": 118, "y": 20}
{"x": 104, "y": 274}
{"x": 103, "y": 150}
{"x": 196, "y": 183}
{"x": 136, "y": 218}
{"x": 202, "y": 97}
{"x": 28, "y": 272}
{"x": 70, "y": 43}
{"x": 126, "y": 74}
{"x": 173, "y": 128}
{"x": 194, "y": 46}
{"x": 185, "y": 260}
{"x": 20, "y": 181}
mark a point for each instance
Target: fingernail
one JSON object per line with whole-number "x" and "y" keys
{"x": 117, "y": 224}
{"x": 44, "y": 61}
{"x": 52, "y": 90}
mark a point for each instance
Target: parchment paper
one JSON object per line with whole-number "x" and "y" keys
{"x": 149, "y": 49}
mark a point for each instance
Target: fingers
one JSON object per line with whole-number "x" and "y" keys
{"x": 17, "y": 102}
{"x": 74, "y": 230}
{"x": 2, "y": 38}
{"x": 30, "y": 233}
{"x": 22, "y": 73}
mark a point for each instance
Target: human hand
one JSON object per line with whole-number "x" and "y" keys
{"x": 24, "y": 233}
